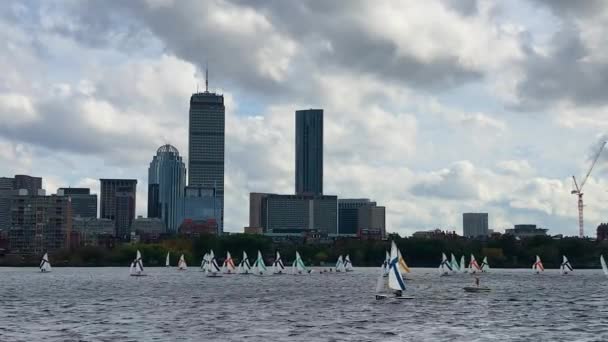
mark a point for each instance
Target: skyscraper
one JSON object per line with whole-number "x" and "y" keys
{"x": 84, "y": 204}
{"x": 168, "y": 171}
{"x": 309, "y": 151}
{"x": 118, "y": 203}
{"x": 31, "y": 184}
{"x": 474, "y": 224}
{"x": 206, "y": 145}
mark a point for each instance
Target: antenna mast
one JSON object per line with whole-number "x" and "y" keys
{"x": 206, "y": 78}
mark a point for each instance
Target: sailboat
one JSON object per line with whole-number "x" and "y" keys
{"x": 402, "y": 265}
{"x": 244, "y": 266}
{"x": 454, "y": 263}
{"x": 277, "y": 266}
{"x": 348, "y": 266}
{"x": 473, "y": 265}
{"x": 228, "y": 266}
{"x": 137, "y": 266}
{"x": 565, "y": 267}
{"x": 395, "y": 278}
{"x": 340, "y": 264}
{"x": 485, "y": 267}
{"x": 463, "y": 266}
{"x": 45, "y": 265}
{"x": 259, "y": 266}
{"x": 181, "y": 264}
{"x": 167, "y": 263}
{"x": 204, "y": 262}
{"x": 213, "y": 270}
{"x": 298, "y": 266}
{"x": 445, "y": 268}
{"x": 538, "y": 266}
{"x": 604, "y": 267}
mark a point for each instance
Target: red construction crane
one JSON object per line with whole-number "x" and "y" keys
{"x": 578, "y": 190}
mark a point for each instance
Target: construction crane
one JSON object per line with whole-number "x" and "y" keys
{"x": 578, "y": 190}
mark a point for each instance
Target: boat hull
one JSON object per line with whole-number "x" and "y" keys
{"x": 475, "y": 289}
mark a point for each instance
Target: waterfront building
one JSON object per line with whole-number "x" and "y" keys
{"x": 372, "y": 219}
{"x": 39, "y": 223}
{"x": 148, "y": 226}
{"x": 294, "y": 214}
{"x": 118, "y": 199}
{"x": 168, "y": 172}
{"x": 526, "y": 231}
{"x": 309, "y": 152}
{"x": 84, "y": 204}
{"x": 475, "y": 224}
{"x": 348, "y": 214}
{"x": 602, "y": 232}
{"x": 92, "y": 230}
{"x": 201, "y": 203}
{"x": 206, "y": 139}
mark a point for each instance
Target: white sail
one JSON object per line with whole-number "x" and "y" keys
{"x": 181, "y": 264}
{"x": 454, "y": 263}
{"x": 204, "y": 262}
{"x": 604, "y": 267}
{"x": 167, "y": 263}
{"x": 565, "y": 267}
{"x": 137, "y": 266}
{"x": 228, "y": 266}
{"x": 395, "y": 278}
{"x": 298, "y": 266}
{"x": 340, "y": 264}
{"x": 277, "y": 266}
{"x": 463, "y": 266}
{"x": 244, "y": 266}
{"x": 381, "y": 282}
{"x": 212, "y": 267}
{"x": 445, "y": 267}
{"x": 260, "y": 265}
{"x": 348, "y": 265}
{"x": 538, "y": 266}
{"x": 485, "y": 266}
{"x": 45, "y": 265}
{"x": 473, "y": 265}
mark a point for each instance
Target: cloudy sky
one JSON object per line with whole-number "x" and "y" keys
{"x": 432, "y": 108}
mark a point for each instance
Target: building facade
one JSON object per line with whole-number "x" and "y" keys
{"x": 206, "y": 138}
{"x": 372, "y": 219}
{"x": 84, "y": 204}
{"x": 309, "y": 152}
{"x": 39, "y": 224}
{"x": 201, "y": 204}
{"x": 117, "y": 203}
{"x": 293, "y": 214}
{"x": 168, "y": 172}
{"x": 475, "y": 224}
{"x": 348, "y": 214}
{"x": 92, "y": 229}
{"x": 526, "y": 231}
{"x": 29, "y": 183}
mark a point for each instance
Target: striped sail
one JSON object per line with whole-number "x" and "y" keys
{"x": 244, "y": 266}
{"x": 137, "y": 266}
{"x": 454, "y": 263}
{"x": 485, "y": 266}
{"x": 445, "y": 267}
{"x": 277, "y": 266}
{"x": 298, "y": 266}
{"x": 259, "y": 265}
{"x": 45, "y": 265}
{"x": 204, "y": 262}
{"x": 228, "y": 266}
{"x": 565, "y": 267}
{"x": 395, "y": 278}
{"x": 212, "y": 267}
{"x": 538, "y": 267}
{"x": 473, "y": 265}
{"x": 181, "y": 264}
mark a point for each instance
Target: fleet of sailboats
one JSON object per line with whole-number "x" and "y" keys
{"x": 45, "y": 265}
{"x": 340, "y": 264}
{"x": 348, "y": 265}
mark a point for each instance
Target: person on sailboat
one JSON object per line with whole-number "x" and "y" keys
{"x": 477, "y": 281}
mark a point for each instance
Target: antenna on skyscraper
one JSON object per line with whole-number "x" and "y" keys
{"x": 206, "y": 77}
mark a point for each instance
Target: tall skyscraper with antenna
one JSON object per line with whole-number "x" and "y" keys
{"x": 206, "y": 140}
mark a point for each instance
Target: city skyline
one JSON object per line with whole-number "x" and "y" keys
{"x": 419, "y": 121}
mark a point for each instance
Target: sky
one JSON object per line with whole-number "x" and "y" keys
{"x": 432, "y": 108}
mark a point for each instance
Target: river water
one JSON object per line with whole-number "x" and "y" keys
{"x": 106, "y": 304}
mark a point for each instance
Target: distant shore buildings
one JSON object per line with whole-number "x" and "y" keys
{"x": 475, "y": 224}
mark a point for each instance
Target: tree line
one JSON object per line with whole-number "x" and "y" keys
{"x": 503, "y": 252}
